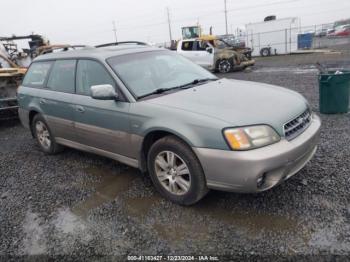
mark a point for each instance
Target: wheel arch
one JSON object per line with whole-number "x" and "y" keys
{"x": 151, "y": 137}
{"x": 32, "y": 113}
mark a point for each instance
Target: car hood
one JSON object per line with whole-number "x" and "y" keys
{"x": 238, "y": 103}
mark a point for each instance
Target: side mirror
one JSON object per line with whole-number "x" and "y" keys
{"x": 103, "y": 92}
{"x": 209, "y": 50}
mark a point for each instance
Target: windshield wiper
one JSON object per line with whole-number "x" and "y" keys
{"x": 184, "y": 86}
{"x": 157, "y": 91}
{"x": 196, "y": 81}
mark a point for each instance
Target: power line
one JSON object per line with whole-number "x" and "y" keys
{"x": 263, "y": 5}
{"x": 214, "y": 13}
{"x": 192, "y": 17}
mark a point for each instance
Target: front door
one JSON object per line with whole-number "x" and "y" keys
{"x": 100, "y": 124}
{"x": 202, "y": 56}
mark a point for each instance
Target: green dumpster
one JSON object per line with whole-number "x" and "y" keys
{"x": 334, "y": 92}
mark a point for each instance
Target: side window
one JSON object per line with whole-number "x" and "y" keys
{"x": 90, "y": 73}
{"x": 200, "y": 46}
{"x": 36, "y": 75}
{"x": 62, "y": 76}
{"x": 187, "y": 45}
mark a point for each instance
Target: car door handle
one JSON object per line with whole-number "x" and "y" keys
{"x": 42, "y": 101}
{"x": 80, "y": 109}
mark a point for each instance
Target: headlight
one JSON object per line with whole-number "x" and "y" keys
{"x": 250, "y": 137}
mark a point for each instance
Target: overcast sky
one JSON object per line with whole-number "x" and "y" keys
{"x": 90, "y": 21}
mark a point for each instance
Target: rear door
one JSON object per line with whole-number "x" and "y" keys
{"x": 56, "y": 99}
{"x": 101, "y": 124}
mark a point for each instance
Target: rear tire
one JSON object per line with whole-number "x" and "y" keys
{"x": 176, "y": 172}
{"x": 265, "y": 52}
{"x": 44, "y": 137}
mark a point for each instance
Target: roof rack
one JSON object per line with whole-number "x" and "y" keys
{"x": 64, "y": 47}
{"x": 122, "y": 43}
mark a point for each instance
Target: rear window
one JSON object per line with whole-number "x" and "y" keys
{"x": 36, "y": 75}
{"x": 62, "y": 76}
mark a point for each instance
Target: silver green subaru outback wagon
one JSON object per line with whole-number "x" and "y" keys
{"x": 157, "y": 111}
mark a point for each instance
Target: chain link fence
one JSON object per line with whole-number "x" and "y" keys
{"x": 296, "y": 39}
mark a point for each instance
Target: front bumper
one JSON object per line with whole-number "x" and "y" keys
{"x": 8, "y": 103}
{"x": 239, "y": 171}
{"x": 248, "y": 63}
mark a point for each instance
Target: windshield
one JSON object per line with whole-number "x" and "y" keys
{"x": 220, "y": 44}
{"x": 144, "y": 73}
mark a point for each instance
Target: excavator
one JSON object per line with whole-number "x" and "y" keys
{"x": 12, "y": 71}
{"x": 13, "y": 66}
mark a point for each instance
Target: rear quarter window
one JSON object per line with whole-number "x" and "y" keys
{"x": 37, "y": 74}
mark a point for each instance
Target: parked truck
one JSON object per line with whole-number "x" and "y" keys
{"x": 214, "y": 54}
{"x": 273, "y": 37}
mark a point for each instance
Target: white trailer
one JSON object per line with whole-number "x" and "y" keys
{"x": 275, "y": 37}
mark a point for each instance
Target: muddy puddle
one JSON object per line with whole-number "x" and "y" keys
{"x": 140, "y": 206}
{"x": 174, "y": 231}
{"x": 111, "y": 184}
{"x": 251, "y": 223}
{"x": 186, "y": 225}
{"x": 179, "y": 233}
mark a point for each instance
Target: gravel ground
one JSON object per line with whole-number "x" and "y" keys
{"x": 81, "y": 205}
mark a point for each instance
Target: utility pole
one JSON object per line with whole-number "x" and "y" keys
{"x": 115, "y": 31}
{"x": 226, "y": 18}
{"x": 168, "y": 13}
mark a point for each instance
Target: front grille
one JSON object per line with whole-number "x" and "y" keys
{"x": 296, "y": 126}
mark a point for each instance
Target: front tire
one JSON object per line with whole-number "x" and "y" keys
{"x": 44, "y": 136}
{"x": 176, "y": 172}
{"x": 224, "y": 66}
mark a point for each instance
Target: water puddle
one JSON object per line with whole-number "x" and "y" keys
{"x": 175, "y": 232}
{"x": 249, "y": 222}
{"x": 140, "y": 206}
{"x": 185, "y": 225}
{"x": 254, "y": 223}
{"x": 111, "y": 184}
{"x": 179, "y": 233}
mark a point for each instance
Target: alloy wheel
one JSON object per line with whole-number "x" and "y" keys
{"x": 43, "y": 134}
{"x": 172, "y": 173}
{"x": 224, "y": 66}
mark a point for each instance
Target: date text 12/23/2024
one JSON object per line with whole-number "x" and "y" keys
{"x": 173, "y": 258}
